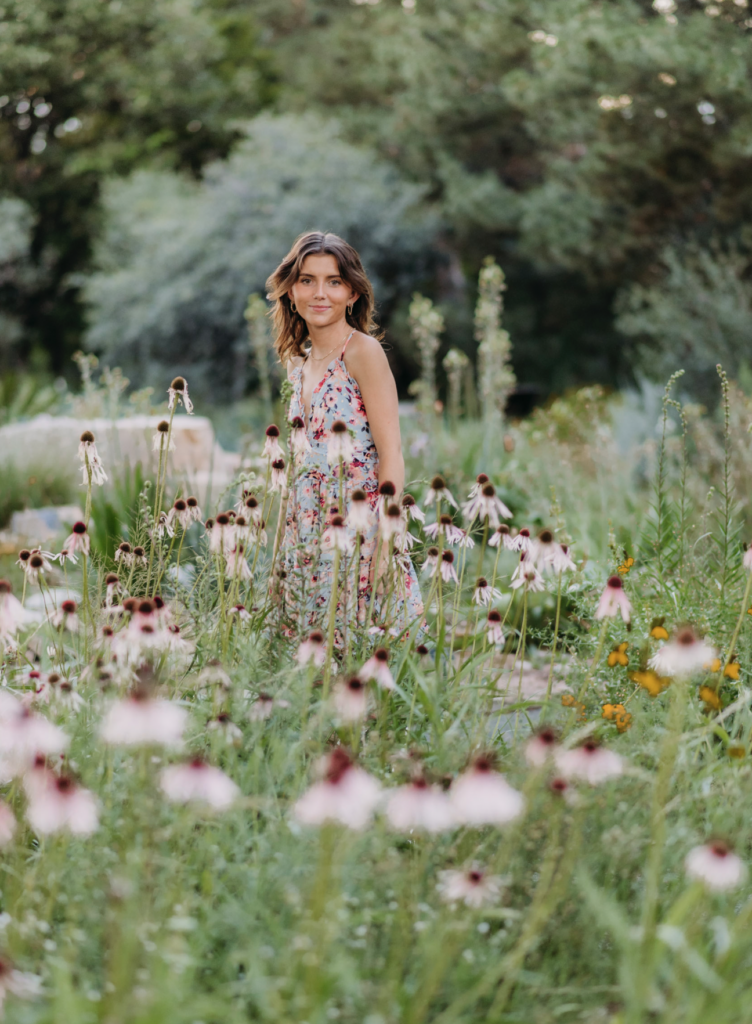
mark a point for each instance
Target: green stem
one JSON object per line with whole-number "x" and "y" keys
{"x": 553, "y": 648}
{"x": 332, "y": 621}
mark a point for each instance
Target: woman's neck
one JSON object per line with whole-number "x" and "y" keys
{"x": 325, "y": 338}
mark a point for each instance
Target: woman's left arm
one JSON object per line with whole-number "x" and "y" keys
{"x": 367, "y": 363}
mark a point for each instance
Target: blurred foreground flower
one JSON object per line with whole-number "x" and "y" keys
{"x": 419, "y": 805}
{"x": 685, "y": 655}
{"x": 178, "y": 392}
{"x": 140, "y": 720}
{"x": 715, "y": 866}
{"x": 198, "y": 782}
{"x": 11, "y": 611}
{"x": 590, "y": 762}
{"x": 17, "y": 983}
{"x": 59, "y": 804}
{"x": 377, "y": 668}
{"x": 540, "y": 748}
{"x": 481, "y": 796}
{"x": 345, "y": 794}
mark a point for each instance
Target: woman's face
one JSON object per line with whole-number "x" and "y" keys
{"x": 320, "y": 293}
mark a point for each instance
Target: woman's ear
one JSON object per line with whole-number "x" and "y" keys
{"x": 354, "y": 296}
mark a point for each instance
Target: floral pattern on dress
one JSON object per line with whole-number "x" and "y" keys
{"x": 316, "y": 494}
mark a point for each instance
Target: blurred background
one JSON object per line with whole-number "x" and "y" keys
{"x": 158, "y": 159}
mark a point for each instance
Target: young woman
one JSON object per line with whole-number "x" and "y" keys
{"x": 346, "y": 445}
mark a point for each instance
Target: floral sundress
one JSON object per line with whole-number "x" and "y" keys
{"x": 317, "y": 493}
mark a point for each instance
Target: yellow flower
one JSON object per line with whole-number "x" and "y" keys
{"x": 568, "y": 700}
{"x": 626, "y": 565}
{"x": 710, "y": 697}
{"x": 714, "y": 665}
{"x": 610, "y": 711}
{"x": 617, "y": 656}
{"x": 659, "y": 633}
{"x": 732, "y": 670}
{"x": 736, "y": 751}
{"x": 623, "y": 721}
{"x": 650, "y": 681}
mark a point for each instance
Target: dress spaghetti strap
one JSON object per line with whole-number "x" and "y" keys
{"x": 347, "y": 342}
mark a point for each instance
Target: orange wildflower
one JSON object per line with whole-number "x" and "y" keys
{"x": 650, "y": 681}
{"x": 618, "y": 655}
{"x": 710, "y": 698}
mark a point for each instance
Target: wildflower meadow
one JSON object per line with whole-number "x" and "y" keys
{"x": 214, "y": 811}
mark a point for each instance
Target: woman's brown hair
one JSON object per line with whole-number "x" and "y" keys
{"x": 289, "y": 326}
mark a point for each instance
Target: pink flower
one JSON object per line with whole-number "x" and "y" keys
{"x": 484, "y": 503}
{"x": 377, "y": 668}
{"x": 17, "y": 983}
{"x": 177, "y": 394}
{"x": 411, "y": 510}
{"x": 24, "y": 735}
{"x": 198, "y": 782}
{"x": 526, "y": 575}
{"x": 562, "y": 560}
{"x": 78, "y": 540}
{"x": 140, "y": 720}
{"x": 503, "y": 536}
{"x": 540, "y": 748}
{"x": 493, "y": 628}
{"x": 278, "y": 480}
{"x": 472, "y": 887}
{"x": 225, "y": 726}
{"x": 391, "y": 523}
{"x": 438, "y": 491}
{"x": 684, "y": 655}
{"x": 181, "y": 514}
{"x": 350, "y": 699}
{"x": 7, "y": 824}
{"x": 613, "y": 600}
{"x": 522, "y": 542}
{"x": 312, "y": 649}
{"x": 237, "y": 565}
{"x": 336, "y": 537}
{"x": 272, "y": 448}
{"x": 715, "y": 866}
{"x": 444, "y": 528}
{"x": 66, "y": 616}
{"x": 299, "y": 443}
{"x": 421, "y": 806}
{"x": 59, "y": 804}
{"x": 35, "y": 566}
{"x": 263, "y": 706}
{"x": 340, "y": 444}
{"x": 12, "y": 613}
{"x": 345, "y": 794}
{"x": 446, "y": 567}
{"x": 589, "y": 762}
{"x": 221, "y": 534}
{"x": 431, "y": 561}
{"x": 481, "y": 796}
{"x": 484, "y": 593}
{"x": 359, "y": 515}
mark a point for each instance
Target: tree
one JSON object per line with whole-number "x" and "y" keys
{"x": 88, "y": 89}
{"x": 178, "y": 258}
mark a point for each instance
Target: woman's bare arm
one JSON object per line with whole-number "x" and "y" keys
{"x": 366, "y": 361}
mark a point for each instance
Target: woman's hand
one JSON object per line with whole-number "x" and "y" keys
{"x": 380, "y": 571}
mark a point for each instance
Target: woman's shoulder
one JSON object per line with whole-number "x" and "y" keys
{"x": 293, "y": 363}
{"x": 363, "y": 349}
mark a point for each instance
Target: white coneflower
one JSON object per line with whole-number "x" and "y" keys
{"x": 272, "y": 448}
{"x": 340, "y": 444}
{"x": 221, "y": 533}
{"x": 684, "y": 655}
{"x": 65, "y": 556}
{"x": 336, "y": 537}
{"x": 502, "y": 535}
{"x": 35, "y": 566}
{"x": 391, "y": 523}
{"x": 78, "y": 540}
{"x": 112, "y": 589}
{"x": 715, "y": 866}
{"x": 164, "y": 526}
{"x": 589, "y": 762}
{"x": 263, "y": 706}
{"x": 58, "y": 804}
{"x": 526, "y": 575}
{"x": 66, "y": 616}
{"x": 176, "y": 643}
{"x": 350, "y": 699}
{"x": 522, "y": 541}
{"x": 562, "y": 560}
{"x": 299, "y": 443}
{"x": 431, "y": 561}
{"x": 613, "y": 600}
{"x": 141, "y": 720}
{"x": 89, "y": 456}
{"x": 345, "y": 794}
{"x": 237, "y": 565}
{"x": 198, "y": 782}
{"x": 359, "y": 515}
{"x": 544, "y": 551}
{"x": 159, "y": 440}
{"x": 747, "y": 560}
{"x": 178, "y": 392}
{"x": 23, "y": 559}
{"x": 312, "y": 649}
{"x": 484, "y": 593}
{"x": 243, "y": 529}
{"x": 241, "y": 611}
{"x": 278, "y": 480}
{"x": 212, "y": 674}
{"x": 68, "y": 697}
{"x": 421, "y": 806}
{"x": 124, "y": 553}
{"x": 445, "y": 528}
{"x": 485, "y": 503}
{"x": 540, "y": 748}
{"x": 7, "y": 830}
{"x": 448, "y": 572}
{"x": 226, "y": 728}
{"x": 181, "y": 514}
{"x": 377, "y": 668}
{"x": 481, "y": 796}
{"x": 193, "y": 509}
{"x": 493, "y": 628}
{"x": 411, "y": 509}
{"x": 438, "y": 491}
{"x": 252, "y": 510}
{"x": 473, "y": 887}
{"x": 139, "y": 555}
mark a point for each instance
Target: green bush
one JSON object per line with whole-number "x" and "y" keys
{"x": 33, "y": 487}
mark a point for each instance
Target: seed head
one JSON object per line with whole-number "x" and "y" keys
{"x": 180, "y": 505}
{"x": 178, "y": 384}
{"x": 79, "y": 528}
{"x": 387, "y": 489}
{"x": 272, "y": 430}
{"x": 111, "y": 579}
{"x": 163, "y": 426}
{"x": 24, "y": 555}
{"x": 87, "y": 437}
{"x": 438, "y": 483}
{"x": 68, "y": 607}
{"x": 338, "y": 427}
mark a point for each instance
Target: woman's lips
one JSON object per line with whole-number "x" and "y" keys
{"x": 320, "y": 309}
